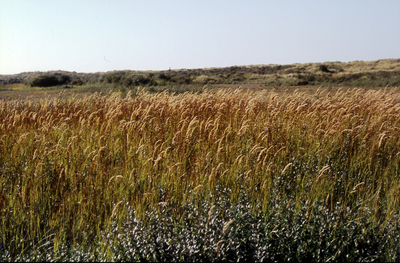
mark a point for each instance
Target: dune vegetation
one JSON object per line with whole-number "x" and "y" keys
{"x": 379, "y": 73}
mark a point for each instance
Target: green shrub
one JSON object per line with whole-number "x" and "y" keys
{"x": 115, "y": 77}
{"x": 138, "y": 80}
{"x": 50, "y": 80}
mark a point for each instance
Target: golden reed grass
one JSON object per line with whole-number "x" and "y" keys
{"x": 70, "y": 166}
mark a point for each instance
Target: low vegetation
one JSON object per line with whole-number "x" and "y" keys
{"x": 222, "y": 174}
{"x": 380, "y": 73}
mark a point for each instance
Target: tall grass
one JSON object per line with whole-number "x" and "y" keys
{"x": 72, "y": 167}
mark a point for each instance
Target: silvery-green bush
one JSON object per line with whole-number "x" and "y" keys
{"x": 221, "y": 230}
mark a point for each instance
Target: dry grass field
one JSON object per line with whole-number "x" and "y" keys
{"x": 74, "y": 167}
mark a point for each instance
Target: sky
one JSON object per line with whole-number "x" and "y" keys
{"x": 106, "y": 35}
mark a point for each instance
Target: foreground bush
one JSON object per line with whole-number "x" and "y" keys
{"x": 221, "y": 230}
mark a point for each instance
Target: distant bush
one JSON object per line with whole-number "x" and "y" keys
{"x": 127, "y": 79}
{"x": 138, "y": 80}
{"x": 164, "y": 76}
{"x": 203, "y": 79}
{"x": 115, "y": 77}
{"x": 238, "y": 77}
{"x": 49, "y": 80}
{"x": 64, "y": 79}
{"x": 324, "y": 68}
{"x": 77, "y": 82}
{"x": 181, "y": 79}
{"x": 44, "y": 81}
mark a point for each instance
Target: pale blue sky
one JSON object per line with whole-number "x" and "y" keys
{"x": 104, "y": 35}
